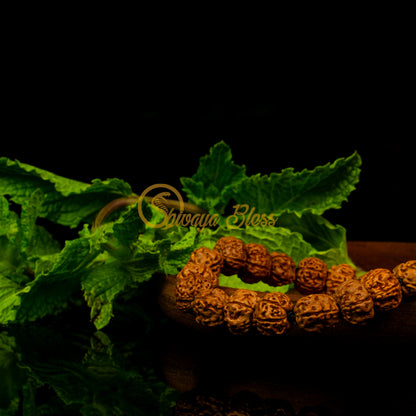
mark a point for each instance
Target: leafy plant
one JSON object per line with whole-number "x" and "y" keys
{"x": 113, "y": 259}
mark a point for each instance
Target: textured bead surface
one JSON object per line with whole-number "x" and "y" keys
{"x": 282, "y": 271}
{"x": 212, "y": 258}
{"x": 355, "y": 302}
{"x": 190, "y": 280}
{"x": 407, "y": 273}
{"x": 338, "y": 274}
{"x": 384, "y": 288}
{"x": 311, "y": 276}
{"x": 257, "y": 265}
{"x": 233, "y": 251}
{"x": 269, "y": 316}
{"x": 316, "y": 312}
{"x": 281, "y": 299}
{"x": 238, "y": 313}
{"x": 208, "y": 306}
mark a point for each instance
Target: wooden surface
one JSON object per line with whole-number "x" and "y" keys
{"x": 367, "y": 255}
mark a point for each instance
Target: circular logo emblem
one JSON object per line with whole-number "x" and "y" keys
{"x": 161, "y": 201}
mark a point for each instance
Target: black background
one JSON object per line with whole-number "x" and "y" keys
{"x": 85, "y": 135}
{"x": 85, "y": 131}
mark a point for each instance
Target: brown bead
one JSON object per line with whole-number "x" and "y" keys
{"x": 355, "y": 302}
{"x": 190, "y": 280}
{"x": 311, "y": 275}
{"x": 280, "y": 299}
{"x": 316, "y": 312}
{"x": 238, "y": 313}
{"x": 270, "y": 317}
{"x": 384, "y": 288}
{"x": 258, "y": 264}
{"x": 208, "y": 306}
{"x": 233, "y": 251}
{"x": 212, "y": 258}
{"x": 282, "y": 271}
{"x": 406, "y": 272}
{"x": 338, "y": 274}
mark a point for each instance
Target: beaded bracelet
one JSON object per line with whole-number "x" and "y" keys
{"x": 329, "y": 293}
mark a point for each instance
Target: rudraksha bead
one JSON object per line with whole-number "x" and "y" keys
{"x": 282, "y": 271}
{"x": 281, "y": 299}
{"x": 233, "y": 251}
{"x": 311, "y": 275}
{"x": 270, "y": 317}
{"x": 208, "y": 306}
{"x": 384, "y": 287}
{"x": 258, "y": 264}
{"x": 406, "y": 273}
{"x": 212, "y": 258}
{"x": 190, "y": 280}
{"x": 355, "y": 302}
{"x": 338, "y": 274}
{"x": 316, "y": 312}
{"x": 238, "y": 312}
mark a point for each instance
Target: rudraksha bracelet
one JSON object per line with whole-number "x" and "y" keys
{"x": 330, "y": 294}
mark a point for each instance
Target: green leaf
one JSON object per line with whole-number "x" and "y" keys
{"x": 50, "y": 292}
{"x": 308, "y": 191}
{"x": 9, "y": 300}
{"x": 121, "y": 268}
{"x": 52, "y": 288}
{"x": 219, "y": 180}
{"x": 127, "y": 228}
{"x": 22, "y": 241}
{"x": 9, "y": 221}
{"x": 212, "y": 185}
{"x": 180, "y": 251}
{"x": 42, "y": 244}
{"x": 101, "y": 285}
{"x": 11, "y": 261}
{"x": 328, "y": 240}
{"x": 67, "y": 201}
{"x": 31, "y": 209}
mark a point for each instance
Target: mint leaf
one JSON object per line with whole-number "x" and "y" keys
{"x": 101, "y": 285}
{"x": 130, "y": 257}
{"x": 67, "y": 202}
{"x": 308, "y": 191}
{"x": 50, "y": 291}
{"x": 219, "y": 180}
{"x": 111, "y": 277}
{"x": 9, "y": 300}
{"x": 319, "y": 233}
{"x": 180, "y": 252}
{"x": 212, "y": 185}
{"x": 11, "y": 259}
{"x": 52, "y": 287}
{"x": 31, "y": 209}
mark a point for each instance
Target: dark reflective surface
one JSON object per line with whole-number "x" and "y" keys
{"x": 143, "y": 364}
